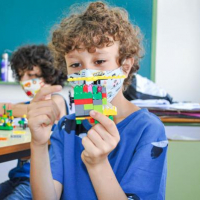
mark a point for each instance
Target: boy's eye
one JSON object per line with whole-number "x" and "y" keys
{"x": 34, "y": 75}
{"x": 98, "y": 62}
{"x": 31, "y": 75}
{"x": 75, "y": 65}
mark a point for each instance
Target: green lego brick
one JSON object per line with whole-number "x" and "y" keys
{"x": 78, "y": 121}
{"x": 96, "y": 122}
{"x": 111, "y": 117}
{"x": 98, "y": 108}
{"x": 78, "y": 89}
{"x": 83, "y": 95}
{"x": 97, "y": 96}
{"x": 78, "y": 92}
{"x": 104, "y": 101}
{"x": 88, "y": 95}
{"x": 6, "y": 128}
{"x": 88, "y": 106}
{"x": 94, "y": 89}
{"x": 78, "y": 96}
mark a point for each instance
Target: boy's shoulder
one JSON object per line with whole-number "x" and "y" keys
{"x": 144, "y": 125}
{"x": 144, "y": 117}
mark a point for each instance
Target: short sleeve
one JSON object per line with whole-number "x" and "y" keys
{"x": 56, "y": 154}
{"x": 145, "y": 178}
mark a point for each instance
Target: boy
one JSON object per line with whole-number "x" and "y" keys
{"x": 32, "y": 66}
{"x": 120, "y": 159}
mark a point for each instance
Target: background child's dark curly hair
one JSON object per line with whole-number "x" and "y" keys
{"x": 26, "y": 57}
{"x": 94, "y": 28}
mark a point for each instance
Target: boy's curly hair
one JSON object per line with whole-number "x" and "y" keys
{"x": 26, "y": 57}
{"x": 98, "y": 26}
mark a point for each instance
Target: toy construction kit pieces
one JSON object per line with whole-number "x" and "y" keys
{"x": 6, "y": 120}
{"x": 90, "y": 93}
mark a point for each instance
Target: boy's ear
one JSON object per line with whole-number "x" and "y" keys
{"x": 127, "y": 65}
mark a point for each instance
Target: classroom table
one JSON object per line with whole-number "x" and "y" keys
{"x": 14, "y": 144}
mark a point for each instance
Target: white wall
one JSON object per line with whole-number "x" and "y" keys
{"x": 178, "y": 48}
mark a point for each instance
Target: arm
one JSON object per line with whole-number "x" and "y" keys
{"x": 42, "y": 184}
{"x": 18, "y": 110}
{"x": 98, "y": 143}
{"x": 42, "y": 115}
{"x": 105, "y": 183}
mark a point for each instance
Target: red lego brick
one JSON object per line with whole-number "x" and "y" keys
{"x": 104, "y": 95}
{"x": 85, "y": 88}
{"x": 91, "y": 120}
{"x": 83, "y": 101}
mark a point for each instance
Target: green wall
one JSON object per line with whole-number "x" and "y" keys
{"x": 183, "y": 178}
{"x": 29, "y": 21}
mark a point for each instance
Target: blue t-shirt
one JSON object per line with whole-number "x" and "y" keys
{"x": 138, "y": 161}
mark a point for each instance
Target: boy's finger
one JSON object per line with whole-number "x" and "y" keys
{"x": 46, "y": 91}
{"x": 107, "y": 123}
{"x": 49, "y": 95}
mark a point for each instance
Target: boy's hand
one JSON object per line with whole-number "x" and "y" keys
{"x": 101, "y": 139}
{"x": 42, "y": 113}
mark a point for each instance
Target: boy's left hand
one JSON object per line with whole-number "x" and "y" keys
{"x": 101, "y": 139}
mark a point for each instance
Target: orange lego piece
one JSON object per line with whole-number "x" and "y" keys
{"x": 3, "y": 138}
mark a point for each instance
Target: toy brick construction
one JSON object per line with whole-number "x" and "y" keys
{"x": 6, "y": 120}
{"x": 92, "y": 96}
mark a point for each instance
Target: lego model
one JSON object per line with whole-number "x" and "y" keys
{"x": 91, "y": 95}
{"x": 23, "y": 122}
{"x": 6, "y": 120}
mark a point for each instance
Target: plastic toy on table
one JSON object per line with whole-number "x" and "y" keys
{"x": 23, "y": 122}
{"x": 6, "y": 120}
{"x": 91, "y": 95}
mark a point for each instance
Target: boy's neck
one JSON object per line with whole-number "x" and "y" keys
{"x": 124, "y": 107}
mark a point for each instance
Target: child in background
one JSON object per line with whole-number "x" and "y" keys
{"x": 120, "y": 159}
{"x": 33, "y": 68}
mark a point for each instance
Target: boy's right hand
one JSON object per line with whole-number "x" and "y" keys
{"x": 42, "y": 113}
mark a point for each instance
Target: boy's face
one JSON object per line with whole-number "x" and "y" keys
{"x": 31, "y": 74}
{"x": 103, "y": 59}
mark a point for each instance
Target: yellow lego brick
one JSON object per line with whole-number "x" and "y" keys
{"x": 110, "y": 111}
{"x": 95, "y": 78}
{"x": 80, "y": 118}
{"x": 19, "y": 132}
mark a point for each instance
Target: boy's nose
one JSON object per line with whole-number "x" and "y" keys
{"x": 88, "y": 66}
{"x": 24, "y": 77}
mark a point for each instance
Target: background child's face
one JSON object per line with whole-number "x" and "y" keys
{"x": 31, "y": 74}
{"x": 103, "y": 59}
